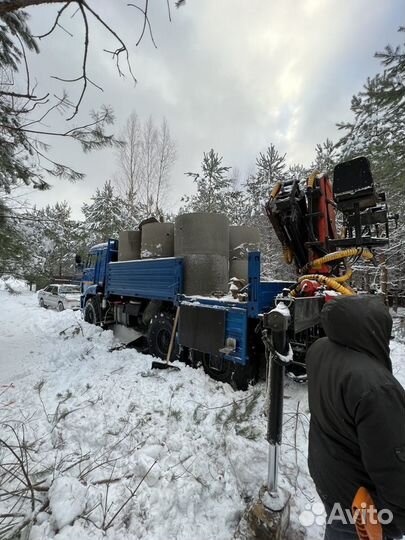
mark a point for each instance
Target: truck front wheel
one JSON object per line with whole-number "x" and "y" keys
{"x": 159, "y": 334}
{"x": 92, "y": 311}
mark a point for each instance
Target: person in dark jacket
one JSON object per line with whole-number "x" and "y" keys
{"x": 357, "y": 429}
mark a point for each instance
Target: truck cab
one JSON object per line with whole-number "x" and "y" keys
{"x": 95, "y": 269}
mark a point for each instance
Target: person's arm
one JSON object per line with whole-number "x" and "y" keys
{"x": 380, "y": 422}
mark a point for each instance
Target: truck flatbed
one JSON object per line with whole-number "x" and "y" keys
{"x": 155, "y": 279}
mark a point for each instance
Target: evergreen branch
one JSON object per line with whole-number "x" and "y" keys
{"x": 14, "y": 5}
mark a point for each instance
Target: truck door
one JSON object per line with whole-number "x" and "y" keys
{"x": 99, "y": 270}
{"x": 88, "y": 272}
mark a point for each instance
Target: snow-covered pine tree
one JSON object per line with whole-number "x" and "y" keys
{"x": 12, "y": 248}
{"x": 326, "y": 157}
{"x": 60, "y": 233}
{"x": 46, "y": 240}
{"x": 235, "y": 204}
{"x": 213, "y": 184}
{"x": 270, "y": 168}
{"x": 53, "y": 239}
{"x": 378, "y": 132}
{"x": 296, "y": 171}
{"x": 104, "y": 215}
{"x": 378, "y": 127}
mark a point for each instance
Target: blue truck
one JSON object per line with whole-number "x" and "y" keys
{"x": 222, "y": 334}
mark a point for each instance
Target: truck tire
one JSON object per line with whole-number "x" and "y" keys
{"x": 218, "y": 368}
{"x": 92, "y": 311}
{"x": 243, "y": 376}
{"x": 159, "y": 334}
{"x": 222, "y": 370}
{"x": 60, "y": 306}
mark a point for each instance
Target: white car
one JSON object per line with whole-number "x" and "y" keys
{"x": 60, "y": 296}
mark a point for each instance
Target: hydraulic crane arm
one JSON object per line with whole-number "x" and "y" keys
{"x": 304, "y": 219}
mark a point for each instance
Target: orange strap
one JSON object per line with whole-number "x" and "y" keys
{"x": 365, "y": 516}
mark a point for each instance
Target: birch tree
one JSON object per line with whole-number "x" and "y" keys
{"x": 145, "y": 163}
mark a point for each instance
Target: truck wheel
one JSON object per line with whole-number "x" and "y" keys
{"x": 92, "y": 311}
{"x": 220, "y": 369}
{"x": 159, "y": 334}
{"x": 243, "y": 376}
{"x": 60, "y": 306}
{"x": 41, "y": 303}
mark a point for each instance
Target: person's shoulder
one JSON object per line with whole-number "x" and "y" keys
{"x": 367, "y": 379}
{"x": 320, "y": 349}
{"x": 383, "y": 395}
{"x": 317, "y": 347}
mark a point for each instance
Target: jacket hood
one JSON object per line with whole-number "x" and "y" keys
{"x": 362, "y": 323}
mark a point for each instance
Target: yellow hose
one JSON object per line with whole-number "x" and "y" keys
{"x": 275, "y": 191}
{"x": 311, "y": 179}
{"x": 336, "y": 255}
{"x": 339, "y": 280}
{"x": 345, "y": 277}
{"x": 334, "y": 283}
{"x": 288, "y": 254}
{"x": 329, "y": 282}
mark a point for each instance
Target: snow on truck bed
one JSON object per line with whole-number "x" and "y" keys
{"x": 119, "y": 451}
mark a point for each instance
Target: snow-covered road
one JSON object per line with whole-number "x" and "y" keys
{"x": 21, "y": 341}
{"x": 119, "y": 451}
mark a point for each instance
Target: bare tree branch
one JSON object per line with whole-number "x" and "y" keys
{"x": 84, "y": 65}
{"x": 24, "y": 154}
{"x": 146, "y": 21}
{"x": 132, "y": 494}
{"x": 118, "y": 51}
{"x": 56, "y": 22}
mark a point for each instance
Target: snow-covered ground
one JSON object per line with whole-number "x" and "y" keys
{"x": 98, "y": 445}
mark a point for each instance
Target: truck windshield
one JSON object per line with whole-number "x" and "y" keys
{"x": 91, "y": 261}
{"x": 69, "y": 289}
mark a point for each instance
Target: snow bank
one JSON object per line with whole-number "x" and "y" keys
{"x": 67, "y": 500}
{"x": 12, "y": 284}
{"x": 122, "y": 451}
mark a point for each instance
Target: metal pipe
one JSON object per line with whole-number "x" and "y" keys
{"x": 277, "y": 321}
{"x": 272, "y": 476}
{"x": 275, "y": 418}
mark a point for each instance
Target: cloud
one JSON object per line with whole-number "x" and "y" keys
{"x": 232, "y": 75}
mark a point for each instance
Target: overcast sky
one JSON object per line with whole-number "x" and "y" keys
{"x": 229, "y": 74}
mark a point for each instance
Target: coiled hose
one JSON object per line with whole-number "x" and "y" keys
{"x": 325, "y": 280}
{"x": 336, "y": 255}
